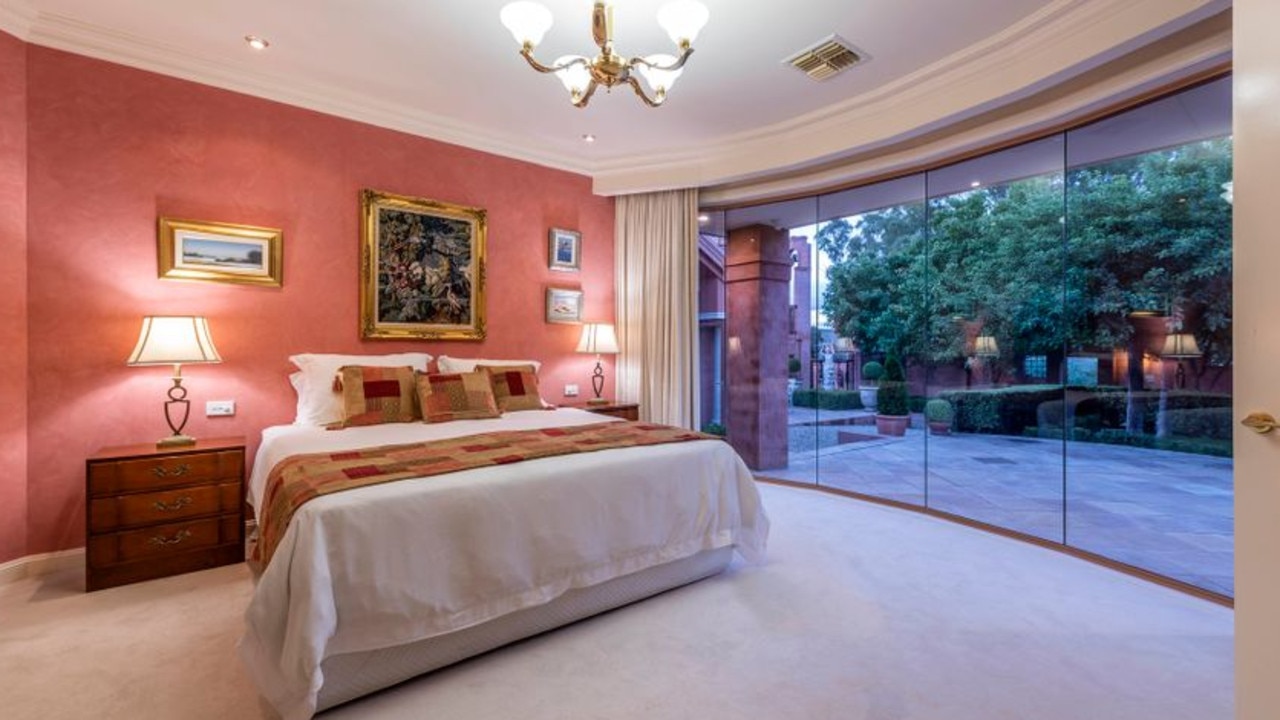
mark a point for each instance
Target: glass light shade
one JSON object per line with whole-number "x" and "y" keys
{"x": 527, "y": 21}
{"x": 659, "y": 79}
{"x": 598, "y": 338}
{"x": 683, "y": 19}
{"x": 173, "y": 340}
{"x": 576, "y": 77}
{"x": 985, "y": 346}
{"x": 1180, "y": 345}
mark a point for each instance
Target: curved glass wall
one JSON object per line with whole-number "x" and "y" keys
{"x": 1037, "y": 338}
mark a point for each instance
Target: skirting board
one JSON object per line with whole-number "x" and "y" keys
{"x": 43, "y": 564}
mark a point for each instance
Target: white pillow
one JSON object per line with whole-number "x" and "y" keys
{"x": 465, "y": 365}
{"x": 318, "y": 404}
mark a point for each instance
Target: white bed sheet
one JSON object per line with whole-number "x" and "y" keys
{"x": 398, "y": 562}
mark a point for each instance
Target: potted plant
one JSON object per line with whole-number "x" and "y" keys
{"x": 892, "y": 413}
{"x": 871, "y": 374}
{"x": 793, "y": 366}
{"x": 939, "y": 414}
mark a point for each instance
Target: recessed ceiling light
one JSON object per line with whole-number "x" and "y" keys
{"x": 256, "y": 42}
{"x": 704, "y": 219}
{"x": 588, "y": 138}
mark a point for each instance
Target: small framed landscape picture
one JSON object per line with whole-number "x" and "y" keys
{"x": 564, "y": 306}
{"x": 220, "y": 252}
{"x": 565, "y": 250}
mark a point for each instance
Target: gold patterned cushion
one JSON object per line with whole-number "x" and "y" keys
{"x": 456, "y": 396}
{"x": 375, "y": 395}
{"x": 515, "y": 387}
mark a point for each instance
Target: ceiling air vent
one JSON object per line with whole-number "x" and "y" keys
{"x": 826, "y": 59}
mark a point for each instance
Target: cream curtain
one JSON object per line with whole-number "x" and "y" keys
{"x": 656, "y": 239}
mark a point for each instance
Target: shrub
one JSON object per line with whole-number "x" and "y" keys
{"x": 1206, "y": 423}
{"x": 891, "y": 397}
{"x": 793, "y": 365}
{"x": 827, "y": 399}
{"x": 1000, "y": 411}
{"x": 872, "y": 372}
{"x": 916, "y": 403}
{"x": 938, "y": 410}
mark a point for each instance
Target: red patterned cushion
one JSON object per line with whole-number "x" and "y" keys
{"x": 374, "y": 395}
{"x": 456, "y": 396}
{"x": 515, "y": 387}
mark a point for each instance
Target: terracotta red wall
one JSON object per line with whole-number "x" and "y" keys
{"x": 13, "y": 298}
{"x": 111, "y": 148}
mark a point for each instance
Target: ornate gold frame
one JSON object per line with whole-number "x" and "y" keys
{"x": 372, "y": 203}
{"x": 171, "y": 231}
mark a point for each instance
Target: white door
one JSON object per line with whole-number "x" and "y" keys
{"x": 1257, "y": 355}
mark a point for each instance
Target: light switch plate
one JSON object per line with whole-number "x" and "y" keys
{"x": 571, "y": 391}
{"x": 219, "y": 408}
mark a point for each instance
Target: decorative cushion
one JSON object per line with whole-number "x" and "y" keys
{"x": 456, "y": 396}
{"x": 319, "y": 403}
{"x": 515, "y": 387}
{"x": 375, "y": 395}
{"x": 460, "y": 365}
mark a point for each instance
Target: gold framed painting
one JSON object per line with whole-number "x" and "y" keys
{"x": 421, "y": 268}
{"x": 220, "y": 252}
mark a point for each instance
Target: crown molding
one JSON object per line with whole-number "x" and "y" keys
{"x": 63, "y": 33}
{"x": 17, "y": 18}
{"x": 1061, "y": 41}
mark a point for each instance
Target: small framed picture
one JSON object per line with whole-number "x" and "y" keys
{"x": 565, "y": 250}
{"x": 564, "y": 306}
{"x": 220, "y": 252}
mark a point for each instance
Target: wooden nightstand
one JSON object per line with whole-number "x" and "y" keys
{"x": 626, "y": 411}
{"x": 154, "y": 512}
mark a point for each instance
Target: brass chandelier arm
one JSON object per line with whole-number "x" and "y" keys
{"x": 582, "y": 100}
{"x": 527, "y": 53}
{"x": 685, "y": 52}
{"x": 655, "y": 101}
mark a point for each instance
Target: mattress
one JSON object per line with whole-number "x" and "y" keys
{"x": 394, "y": 564}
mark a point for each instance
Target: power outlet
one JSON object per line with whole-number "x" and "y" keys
{"x": 571, "y": 391}
{"x": 219, "y": 408}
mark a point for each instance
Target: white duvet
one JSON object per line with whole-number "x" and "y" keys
{"x": 403, "y": 561}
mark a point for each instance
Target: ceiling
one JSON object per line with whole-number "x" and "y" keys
{"x": 450, "y": 70}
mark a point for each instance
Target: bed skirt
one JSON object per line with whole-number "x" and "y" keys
{"x": 352, "y": 675}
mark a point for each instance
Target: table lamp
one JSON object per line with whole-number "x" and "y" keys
{"x": 598, "y": 338}
{"x": 174, "y": 340}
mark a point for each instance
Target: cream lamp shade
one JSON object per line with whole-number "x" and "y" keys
{"x": 598, "y": 338}
{"x": 174, "y": 340}
{"x": 1180, "y": 345}
{"x": 985, "y": 346}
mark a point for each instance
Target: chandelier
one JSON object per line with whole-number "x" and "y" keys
{"x": 682, "y": 19}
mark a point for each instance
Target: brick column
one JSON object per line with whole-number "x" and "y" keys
{"x": 757, "y": 274}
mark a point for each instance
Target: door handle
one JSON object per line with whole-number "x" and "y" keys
{"x": 1260, "y": 422}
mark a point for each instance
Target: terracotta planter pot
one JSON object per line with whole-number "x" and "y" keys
{"x": 939, "y": 428}
{"x": 895, "y": 425}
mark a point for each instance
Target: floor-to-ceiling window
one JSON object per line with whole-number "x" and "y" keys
{"x": 1037, "y": 338}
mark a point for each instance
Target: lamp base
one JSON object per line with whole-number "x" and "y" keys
{"x": 175, "y": 441}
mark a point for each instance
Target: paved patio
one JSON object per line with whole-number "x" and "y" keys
{"x": 1163, "y": 511}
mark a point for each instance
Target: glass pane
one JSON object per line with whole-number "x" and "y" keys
{"x": 771, "y": 408}
{"x": 871, "y": 267}
{"x": 993, "y": 352}
{"x": 1148, "y": 404}
{"x": 711, "y": 314}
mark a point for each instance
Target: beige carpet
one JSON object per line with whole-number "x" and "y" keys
{"x": 862, "y": 612}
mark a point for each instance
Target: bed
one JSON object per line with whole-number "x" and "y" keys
{"x": 371, "y": 586}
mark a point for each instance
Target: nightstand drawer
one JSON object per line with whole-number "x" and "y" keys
{"x": 161, "y": 540}
{"x": 122, "y": 511}
{"x": 109, "y": 478}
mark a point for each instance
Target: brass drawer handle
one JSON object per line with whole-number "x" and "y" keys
{"x": 178, "y": 504}
{"x": 178, "y": 471}
{"x": 161, "y": 541}
{"x": 1260, "y": 422}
